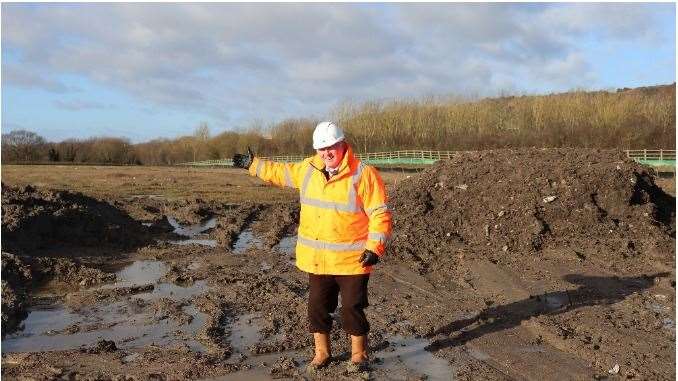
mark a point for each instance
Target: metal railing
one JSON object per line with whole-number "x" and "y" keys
{"x": 208, "y": 163}
{"x": 651, "y": 154}
{"x": 405, "y": 154}
{"x": 656, "y": 158}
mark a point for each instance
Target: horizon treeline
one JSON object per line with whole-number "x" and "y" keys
{"x": 626, "y": 119}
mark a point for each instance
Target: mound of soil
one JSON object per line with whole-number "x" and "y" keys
{"x": 15, "y": 274}
{"x": 35, "y": 219}
{"x": 591, "y": 202}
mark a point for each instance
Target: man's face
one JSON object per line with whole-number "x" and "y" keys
{"x": 333, "y": 154}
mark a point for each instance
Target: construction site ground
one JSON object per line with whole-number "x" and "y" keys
{"x": 509, "y": 264}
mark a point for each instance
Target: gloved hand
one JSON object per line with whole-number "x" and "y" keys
{"x": 369, "y": 258}
{"x": 243, "y": 161}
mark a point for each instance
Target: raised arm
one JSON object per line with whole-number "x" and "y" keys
{"x": 280, "y": 174}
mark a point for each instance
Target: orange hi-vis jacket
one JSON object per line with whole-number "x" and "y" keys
{"x": 339, "y": 217}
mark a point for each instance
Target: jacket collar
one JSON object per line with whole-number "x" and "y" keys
{"x": 345, "y": 165}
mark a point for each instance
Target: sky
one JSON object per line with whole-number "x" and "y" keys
{"x": 159, "y": 70}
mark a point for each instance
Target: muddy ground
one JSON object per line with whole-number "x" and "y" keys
{"x": 529, "y": 264}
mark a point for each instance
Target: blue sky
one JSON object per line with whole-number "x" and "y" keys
{"x": 157, "y": 70}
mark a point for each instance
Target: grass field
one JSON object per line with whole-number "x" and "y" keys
{"x": 172, "y": 183}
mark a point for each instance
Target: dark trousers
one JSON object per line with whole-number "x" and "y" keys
{"x": 323, "y": 299}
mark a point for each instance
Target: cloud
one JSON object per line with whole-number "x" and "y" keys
{"x": 240, "y": 62}
{"x": 572, "y": 71}
{"x": 617, "y": 21}
{"x": 78, "y": 105}
{"x": 21, "y": 77}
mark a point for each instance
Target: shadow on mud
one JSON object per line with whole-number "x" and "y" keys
{"x": 35, "y": 220}
{"x": 593, "y": 290}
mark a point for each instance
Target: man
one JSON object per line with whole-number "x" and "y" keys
{"x": 343, "y": 227}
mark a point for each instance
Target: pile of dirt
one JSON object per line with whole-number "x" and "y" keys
{"x": 34, "y": 219}
{"x": 490, "y": 203}
{"x": 15, "y": 275}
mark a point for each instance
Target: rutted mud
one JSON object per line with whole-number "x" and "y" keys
{"x": 503, "y": 265}
{"x": 134, "y": 311}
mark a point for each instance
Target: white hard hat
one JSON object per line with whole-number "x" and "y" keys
{"x": 326, "y": 134}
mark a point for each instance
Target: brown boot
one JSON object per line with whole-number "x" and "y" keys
{"x": 359, "y": 357}
{"x": 323, "y": 352}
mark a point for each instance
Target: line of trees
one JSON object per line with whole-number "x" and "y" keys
{"x": 626, "y": 119}
{"x": 23, "y": 146}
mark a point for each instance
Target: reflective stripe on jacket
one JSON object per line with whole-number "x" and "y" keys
{"x": 339, "y": 217}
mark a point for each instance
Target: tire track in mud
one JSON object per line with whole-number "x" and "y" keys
{"x": 278, "y": 221}
{"x": 232, "y": 222}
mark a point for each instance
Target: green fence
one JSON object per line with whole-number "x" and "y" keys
{"x": 659, "y": 159}
{"x": 657, "y": 163}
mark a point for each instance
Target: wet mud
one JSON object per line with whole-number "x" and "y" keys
{"x": 35, "y": 219}
{"x": 497, "y": 269}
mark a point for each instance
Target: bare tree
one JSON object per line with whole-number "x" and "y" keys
{"x": 69, "y": 149}
{"x": 22, "y": 145}
{"x": 201, "y": 135}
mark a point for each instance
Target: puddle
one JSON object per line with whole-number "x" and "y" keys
{"x": 287, "y": 246}
{"x": 246, "y": 240}
{"x": 244, "y": 333}
{"x": 130, "y": 323}
{"x": 555, "y": 301}
{"x": 142, "y": 273}
{"x": 43, "y": 329}
{"x": 139, "y": 273}
{"x": 192, "y": 230}
{"x": 195, "y": 233}
{"x": 407, "y": 354}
